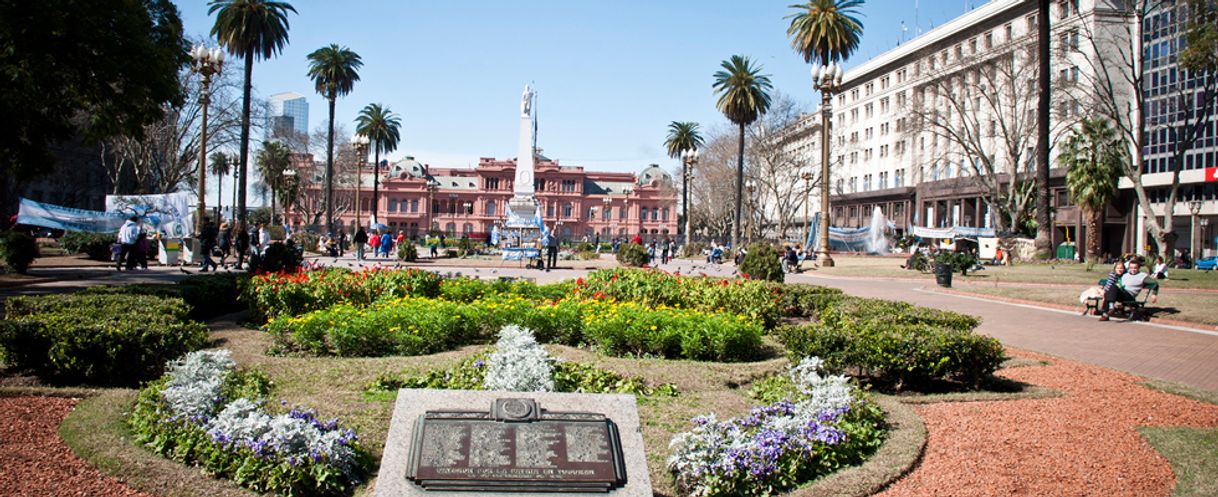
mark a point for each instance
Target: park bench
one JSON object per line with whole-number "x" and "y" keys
{"x": 1134, "y": 308}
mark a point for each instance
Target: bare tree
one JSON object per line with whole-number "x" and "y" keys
{"x": 775, "y": 164}
{"x": 980, "y": 116}
{"x": 1180, "y": 108}
{"x": 712, "y": 191}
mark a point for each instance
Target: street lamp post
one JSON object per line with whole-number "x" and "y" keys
{"x": 827, "y": 79}
{"x": 751, "y": 186}
{"x": 1194, "y": 208}
{"x": 606, "y": 214}
{"x": 807, "y": 176}
{"x": 289, "y": 177}
{"x": 360, "y": 142}
{"x": 207, "y": 63}
{"x": 626, "y": 202}
{"x": 689, "y": 158}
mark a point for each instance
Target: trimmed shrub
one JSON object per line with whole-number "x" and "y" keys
{"x": 694, "y": 250}
{"x": 95, "y": 245}
{"x": 408, "y": 252}
{"x": 307, "y": 240}
{"x": 18, "y": 251}
{"x": 902, "y": 348}
{"x": 757, "y": 300}
{"x": 761, "y": 263}
{"x": 208, "y": 295}
{"x": 98, "y": 339}
{"x": 632, "y": 254}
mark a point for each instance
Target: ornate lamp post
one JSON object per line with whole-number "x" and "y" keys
{"x": 207, "y": 63}
{"x": 690, "y": 158}
{"x": 360, "y": 142}
{"x": 290, "y": 179}
{"x": 827, "y": 79}
{"x": 627, "y": 191}
{"x": 606, "y": 213}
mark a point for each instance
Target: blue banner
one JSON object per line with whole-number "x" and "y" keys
{"x": 68, "y": 219}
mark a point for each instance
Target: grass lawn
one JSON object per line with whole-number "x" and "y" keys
{"x": 1065, "y": 274}
{"x": 1190, "y": 307}
{"x": 1192, "y": 456}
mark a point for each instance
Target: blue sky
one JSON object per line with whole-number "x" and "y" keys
{"x": 610, "y": 75}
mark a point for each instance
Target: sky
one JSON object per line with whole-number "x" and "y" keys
{"x": 610, "y": 75}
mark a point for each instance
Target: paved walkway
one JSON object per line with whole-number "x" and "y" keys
{"x": 1178, "y": 354}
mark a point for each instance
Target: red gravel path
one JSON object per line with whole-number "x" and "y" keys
{"x": 35, "y": 462}
{"x": 1082, "y": 443}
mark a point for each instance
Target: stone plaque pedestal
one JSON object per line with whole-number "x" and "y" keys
{"x": 407, "y": 451}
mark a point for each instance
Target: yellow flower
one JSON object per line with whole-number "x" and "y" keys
{"x": 653, "y": 327}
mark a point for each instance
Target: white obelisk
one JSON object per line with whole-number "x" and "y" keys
{"x": 522, "y": 208}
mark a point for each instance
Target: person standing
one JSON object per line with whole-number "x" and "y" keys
{"x": 665, "y": 250}
{"x": 207, "y": 243}
{"x": 128, "y": 234}
{"x": 225, "y": 242}
{"x": 386, "y": 243}
{"x": 361, "y": 238}
{"x": 401, "y": 239}
{"x": 241, "y": 243}
{"x": 342, "y": 242}
{"x": 141, "y": 250}
{"x": 551, "y": 251}
{"x": 264, "y": 239}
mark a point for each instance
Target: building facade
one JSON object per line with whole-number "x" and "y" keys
{"x": 288, "y": 111}
{"x": 575, "y": 203}
{"x": 941, "y": 130}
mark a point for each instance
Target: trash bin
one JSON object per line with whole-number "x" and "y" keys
{"x": 1065, "y": 251}
{"x": 943, "y": 274}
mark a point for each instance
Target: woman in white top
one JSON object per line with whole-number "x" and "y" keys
{"x": 264, "y": 238}
{"x": 1160, "y": 270}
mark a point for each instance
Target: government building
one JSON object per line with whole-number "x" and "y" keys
{"x": 577, "y": 204}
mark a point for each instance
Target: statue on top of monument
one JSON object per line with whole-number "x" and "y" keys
{"x": 526, "y": 100}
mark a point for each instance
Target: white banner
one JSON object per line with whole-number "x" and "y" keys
{"x": 170, "y": 214}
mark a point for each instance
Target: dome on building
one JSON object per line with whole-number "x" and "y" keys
{"x": 407, "y": 167}
{"x": 653, "y": 172}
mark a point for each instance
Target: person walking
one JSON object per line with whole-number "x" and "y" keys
{"x": 342, "y": 242}
{"x": 375, "y": 243}
{"x": 241, "y": 243}
{"x": 141, "y": 250}
{"x": 665, "y": 250}
{"x": 264, "y": 239}
{"x": 207, "y": 243}
{"x": 400, "y": 240}
{"x": 128, "y": 234}
{"x": 551, "y": 251}
{"x": 361, "y": 238}
{"x": 225, "y": 243}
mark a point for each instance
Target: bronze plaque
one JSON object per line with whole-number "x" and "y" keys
{"x": 516, "y": 447}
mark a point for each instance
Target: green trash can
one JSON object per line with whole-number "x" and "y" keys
{"x": 1065, "y": 251}
{"x": 943, "y": 274}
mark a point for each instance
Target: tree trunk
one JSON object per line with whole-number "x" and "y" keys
{"x": 739, "y": 191}
{"x": 685, "y": 165}
{"x": 1044, "y": 226}
{"x": 242, "y": 162}
{"x": 1094, "y": 234}
{"x": 219, "y": 198}
{"x": 376, "y": 178}
{"x": 330, "y": 172}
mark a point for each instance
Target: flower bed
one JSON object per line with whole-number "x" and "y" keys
{"x": 518, "y": 364}
{"x": 823, "y": 426}
{"x": 100, "y": 339}
{"x": 412, "y": 326}
{"x": 274, "y": 295}
{"x": 896, "y": 345}
{"x": 206, "y": 413}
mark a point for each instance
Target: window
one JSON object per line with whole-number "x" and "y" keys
{"x": 642, "y": 214}
{"x": 883, "y": 180}
{"x": 490, "y": 207}
{"x": 866, "y": 182}
{"x": 869, "y": 110}
{"x": 492, "y": 183}
{"x": 959, "y": 53}
{"x": 568, "y": 186}
{"x": 567, "y": 210}
{"x": 901, "y": 76}
{"x": 884, "y": 105}
{"x": 854, "y": 184}
{"x": 607, "y": 213}
{"x": 884, "y": 83}
{"x": 664, "y": 216}
{"x": 883, "y": 150}
{"x": 867, "y": 133}
{"x": 989, "y": 40}
{"x": 1066, "y": 8}
{"x": 1031, "y": 20}
{"x": 414, "y": 205}
{"x": 883, "y": 129}
{"x": 1068, "y": 41}
{"x": 1010, "y": 32}
{"x": 854, "y": 95}
{"x": 550, "y": 210}
{"x": 899, "y": 179}
{"x": 972, "y": 46}
{"x": 854, "y": 115}
{"x": 591, "y": 213}
{"x": 870, "y": 88}
{"x": 655, "y": 213}
{"x": 393, "y": 205}
{"x": 539, "y": 185}
{"x": 621, "y": 212}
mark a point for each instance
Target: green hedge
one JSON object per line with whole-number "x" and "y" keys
{"x": 632, "y": 254}
{"x": 17, "y": 251}
{"x": 208, "y": 296}
{"x": 97, "y": 339}
{"x": 761, "y": 263}
{"x": 415, "y": 326}
{"x": 898, "y": 346}
{"x": 95, "y": 245}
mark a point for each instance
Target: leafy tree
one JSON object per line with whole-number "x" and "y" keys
{"x": 743, "y": 96}
{"x": 249, "y": 29}
{"x": 1093, "y": 154}
{"x": 334, "y": 71}
{"x": 273, "y": 162}
{"x": 91, "y": 69}
{"x": 1201, "y": 36}
{"x": 683, "y": 136}
{"x": 380, "y": 126}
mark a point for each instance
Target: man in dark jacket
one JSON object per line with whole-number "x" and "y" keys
{"x": 361, "y": 239}
{"x": 207, "y": 243}
{"x": 241, "y": 242}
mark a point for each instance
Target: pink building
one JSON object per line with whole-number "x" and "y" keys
{"x": 581, "y": 204}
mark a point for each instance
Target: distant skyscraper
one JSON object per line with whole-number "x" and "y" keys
{"x": 289, "y": 111}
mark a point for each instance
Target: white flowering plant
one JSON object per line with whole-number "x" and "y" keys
{"x": 519, "y": 363}
{"x": 825, "y": 424}
{"x": 206, "y": 412}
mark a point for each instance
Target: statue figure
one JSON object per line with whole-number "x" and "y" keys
{"x": 526, "y": 101}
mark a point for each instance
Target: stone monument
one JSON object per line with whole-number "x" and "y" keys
{"x": 462, "y": 443}
{"x": 523, "y": 211}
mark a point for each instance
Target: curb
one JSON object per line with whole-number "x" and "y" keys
{"x": 1072, "y": 308}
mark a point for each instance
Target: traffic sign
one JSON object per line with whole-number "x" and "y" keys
{"x": 1211, "y": 174}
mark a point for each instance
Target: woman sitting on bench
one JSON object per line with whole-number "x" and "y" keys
{"x": 1127, "y": 287}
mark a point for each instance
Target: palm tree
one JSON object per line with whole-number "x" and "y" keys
{"x": 273, "y": 161}
{"x": 219, "y": 167}
{"x": 249, "y": 29}
{"x": 334, "y": 71}
{"x": 380, "y": 126}
{"x": 825, "y": 32}
{"x": 743, "y": 97}
{"x": 1044, "y": 225}
{"x": 1093, "y": 156}
{"x": 683, "y": 136}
